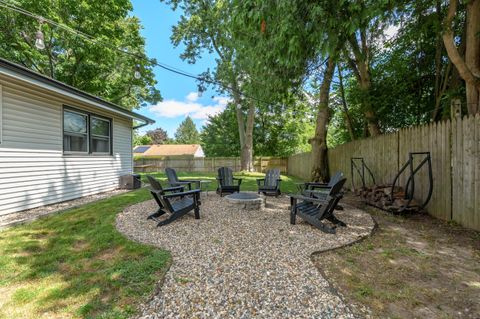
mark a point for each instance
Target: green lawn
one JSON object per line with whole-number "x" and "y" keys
{"x": 76, "y": 265}
{"x": 248, "y": 180}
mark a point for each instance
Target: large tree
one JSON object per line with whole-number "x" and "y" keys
{"x": 204, "y": 27}
{"x": 99, "y": 69}
{"x": 187, "y": 132}
{"x": 158, "y": 136}
{"x": 468, "y": 65}
{"x": 277, "y": 132}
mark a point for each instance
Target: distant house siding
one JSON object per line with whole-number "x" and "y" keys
{"x": 33, "y": 169}
{"x": 199, "y": 152}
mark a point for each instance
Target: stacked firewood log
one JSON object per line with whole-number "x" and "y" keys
{"x": 380, "y": 197}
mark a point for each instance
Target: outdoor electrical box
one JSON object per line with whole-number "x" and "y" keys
{"x": 131, "y": 181}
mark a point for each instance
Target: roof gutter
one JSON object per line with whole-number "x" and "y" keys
{"x": 24, "y": 74}
{"x": 145, "y": 123}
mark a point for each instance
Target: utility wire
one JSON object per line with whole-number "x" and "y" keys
{"x": 91, "y": 39}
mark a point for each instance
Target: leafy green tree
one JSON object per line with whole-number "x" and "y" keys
{"x": 277, "y": 132}
{"x": 99, "y": 68}
{"x": 219, "y": 136}
{"x": 187, "y": 132}
{"x": 158, "y": 136}
{"x": 141, "y": 139}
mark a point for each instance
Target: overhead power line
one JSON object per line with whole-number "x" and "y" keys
{"x": 154, "y": 62}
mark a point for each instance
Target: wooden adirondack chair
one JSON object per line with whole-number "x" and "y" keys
{"x": 226, "y": 182}
{"x": 173, "y": 180}
{"x": 174, "y": 201}
{"x": 314, "y": 209}
{"x": 270, "y": 185}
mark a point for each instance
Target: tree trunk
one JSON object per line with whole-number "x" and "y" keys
{"x": 348, "y": 120}
{"x": 246, "y": 160}
{"x": 245, "y": 131}
{"x": 468, "y": 68}
{"x": 370, "y": 116}
{"x": 472, "y": 55}
{"x": 319, "y": 141}
{"x": 361, "y": 69}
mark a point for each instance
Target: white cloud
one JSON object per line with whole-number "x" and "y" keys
{"x": 192, "y": 96}
{"x": 196, "y": 110}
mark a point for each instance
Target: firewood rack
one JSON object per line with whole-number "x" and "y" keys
{"x": 357, "y": 164}
{"x": 410, "y": 185}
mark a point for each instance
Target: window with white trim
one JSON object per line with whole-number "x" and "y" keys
{"x": 85, "y": 133}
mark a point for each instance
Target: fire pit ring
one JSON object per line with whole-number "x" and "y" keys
{"x": 246, "y": 200}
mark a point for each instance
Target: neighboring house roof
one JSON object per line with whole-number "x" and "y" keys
{"x": 22, "y": 73}
{"x": 167, "y": 149}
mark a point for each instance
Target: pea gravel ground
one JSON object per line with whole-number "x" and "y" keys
{"x": 242, "y": 264}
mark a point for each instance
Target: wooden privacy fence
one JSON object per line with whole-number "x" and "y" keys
{"x": 455, "y": 150}
{"x": 207, "y": 164}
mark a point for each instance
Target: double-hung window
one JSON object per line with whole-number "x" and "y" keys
{"x": 75, "y": 132}
{"x": 86, "y": 133}
{"x": 100, "y": 132}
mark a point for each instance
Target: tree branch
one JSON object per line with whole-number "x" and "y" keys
{"x": 453, "y": 54}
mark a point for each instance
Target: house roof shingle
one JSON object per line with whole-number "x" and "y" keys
{"x": 170, "y": 150}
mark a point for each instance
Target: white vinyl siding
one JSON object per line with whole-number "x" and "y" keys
{"x": 1, "y": 113}
{"x": 33, "y": 169}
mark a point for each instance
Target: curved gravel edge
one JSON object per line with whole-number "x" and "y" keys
{"x": 173, "y": 299}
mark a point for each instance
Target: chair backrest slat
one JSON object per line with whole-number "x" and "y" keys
{"x": 156, "y": 186}
{"x": 225, "y": 175}
{"x": 335, "y": 178}
{"x": 337, "y": 187}
{"x": 271, "y": 177}
{"x": 171, "y": 175}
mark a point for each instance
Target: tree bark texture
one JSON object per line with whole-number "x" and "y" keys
{"x": 348, "y": 120}
{"x": 468, "y": 67}
{"x": 361, "y": 69}
{"x": 319, "y": 141}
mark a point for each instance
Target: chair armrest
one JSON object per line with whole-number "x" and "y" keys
{"x": 315, "y": 194}
{"x": 309, "y": 199}
{"x": 175, "y": 188}
{"x": 239, "y": 180}
{"x": 192, "y": 192}
{"x": 313, "y": 187}
{"x": 259, "y": 180}
{"x": 315, "y": 184}
{"x": 192, "y": 181}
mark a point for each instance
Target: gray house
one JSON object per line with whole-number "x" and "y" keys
{"x": 56, "y": 142}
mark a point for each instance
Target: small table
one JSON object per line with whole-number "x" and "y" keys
{"x": 246, "y": 200}
{"x": 205, "y": 182}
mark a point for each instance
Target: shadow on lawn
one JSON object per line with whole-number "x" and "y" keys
{"x": 77, "y": 264}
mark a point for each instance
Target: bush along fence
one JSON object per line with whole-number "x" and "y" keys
{"x": 454, "y": 146}
{"x": 207, "y": 164}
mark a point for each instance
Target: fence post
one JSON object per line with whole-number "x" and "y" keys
{"x": 455, "y": 109}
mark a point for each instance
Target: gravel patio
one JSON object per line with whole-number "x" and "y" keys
{"x": 243, "y": 264}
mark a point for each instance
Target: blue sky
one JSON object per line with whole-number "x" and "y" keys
{"x": 179, "y": 93}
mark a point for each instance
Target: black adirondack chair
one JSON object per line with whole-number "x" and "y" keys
{"x": 227, "y": 184}
{"x": 317, "y": 207}
{"x": 174, "y": 201}
{"x": 270, "y": 185}
{"x": 173, "y": 180}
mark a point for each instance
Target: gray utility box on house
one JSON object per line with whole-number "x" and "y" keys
{"x": 131, "y": 181}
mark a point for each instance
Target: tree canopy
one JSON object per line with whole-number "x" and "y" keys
{"x": 98, "y": 68}
{"x": 187, "y": 132}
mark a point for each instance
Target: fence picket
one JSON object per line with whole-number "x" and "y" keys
{"x": 454, "y": 146}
